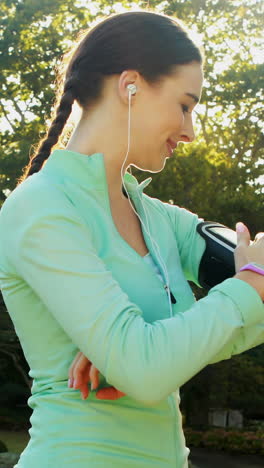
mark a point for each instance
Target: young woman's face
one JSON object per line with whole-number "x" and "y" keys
{"x": 164, "y": 113}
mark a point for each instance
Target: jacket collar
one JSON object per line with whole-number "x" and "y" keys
{"x": 88, "y": 171}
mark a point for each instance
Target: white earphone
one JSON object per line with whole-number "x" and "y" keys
{"x": 132, "y": 89}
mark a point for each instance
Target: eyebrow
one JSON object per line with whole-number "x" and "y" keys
{"x": 195, "y": 98}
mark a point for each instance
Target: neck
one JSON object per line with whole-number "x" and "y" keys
{"x": 104, "y": 130}
{"x": 112, "y": 170}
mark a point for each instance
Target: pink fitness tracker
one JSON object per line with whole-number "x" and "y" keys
{"x": 254, "y": 267}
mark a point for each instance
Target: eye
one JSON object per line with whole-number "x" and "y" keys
{"x": 185, "y": 108}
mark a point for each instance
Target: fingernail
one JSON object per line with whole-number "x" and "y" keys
{"x": 240, "y": 227}
{"x": 70, "y": 383}
{"x": 74, "y": 384}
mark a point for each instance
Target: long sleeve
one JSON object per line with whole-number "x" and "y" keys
{"x": 191, "y": 248}
{"x": 56, "y": 257}
{"x": 190, "y": 244}
{"x": 248, "y": 338}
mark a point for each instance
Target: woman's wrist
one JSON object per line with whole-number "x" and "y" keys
{"x": 254, "y": 279}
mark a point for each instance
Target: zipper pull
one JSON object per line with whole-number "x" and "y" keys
{"x": 173, "y": 300}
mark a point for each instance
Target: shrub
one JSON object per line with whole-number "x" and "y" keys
{"x": 232, "y": 441}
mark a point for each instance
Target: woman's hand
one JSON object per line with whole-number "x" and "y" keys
{"x": 81, "y": 372}
{"x": 246, "y": 252}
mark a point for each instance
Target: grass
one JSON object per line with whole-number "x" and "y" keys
{"x": 15, "y": 441}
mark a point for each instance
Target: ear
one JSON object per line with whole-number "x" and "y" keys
{"x": 127, "y": 77}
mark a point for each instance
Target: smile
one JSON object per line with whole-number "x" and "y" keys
{"x": 170, "y": 150}
{"x": 171, "y": 145}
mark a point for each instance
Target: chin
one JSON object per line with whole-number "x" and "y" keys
{"x": 158, "y": 169}
{"x": 152, "y": 167}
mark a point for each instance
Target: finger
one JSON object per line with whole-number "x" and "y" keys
{"x": 70, "y": 373}
{"x": 94, "y": 376}
{"x": 84, "y": 377}
{"x": 84, "y": 389}
{"x": 82, "y": 382}
{"x": 80, "y": 369}
{"x": 243, "y": 234}
{"x": 259, "y": 236}
{"x": 109, "y": 393}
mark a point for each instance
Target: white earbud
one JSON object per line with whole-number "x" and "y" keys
{"x": 132, "y": 88}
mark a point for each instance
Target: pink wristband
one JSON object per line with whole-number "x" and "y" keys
{"x": 257, "y": 268}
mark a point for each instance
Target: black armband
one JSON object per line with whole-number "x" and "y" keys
{"x": 217, "y": 263}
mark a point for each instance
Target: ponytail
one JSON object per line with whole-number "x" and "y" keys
{"x": 62, "y": 114}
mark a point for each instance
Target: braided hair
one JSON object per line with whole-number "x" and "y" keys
{"x": 149, "y": 42}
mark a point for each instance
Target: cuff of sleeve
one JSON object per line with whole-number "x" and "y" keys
{"x": 245, "y": 297}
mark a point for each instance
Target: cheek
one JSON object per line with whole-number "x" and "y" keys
{"x": 148, "y": 129}
{"x": 178, "y": 119}
{"x": 173, "y": 117}
{"x": 157, "y": 123}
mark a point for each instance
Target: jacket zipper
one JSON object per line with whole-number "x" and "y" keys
{"x": 173, "y": 299}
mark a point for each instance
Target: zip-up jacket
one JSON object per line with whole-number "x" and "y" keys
{"x": 71, "y": 282}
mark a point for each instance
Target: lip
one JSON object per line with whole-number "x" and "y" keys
{"x": 172, "y": 143}
{"x": 170, "y": 150}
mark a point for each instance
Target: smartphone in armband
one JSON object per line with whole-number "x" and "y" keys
{"x": 217, "y": 263}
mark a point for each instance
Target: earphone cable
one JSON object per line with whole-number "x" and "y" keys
{"x": 165, "y": 273}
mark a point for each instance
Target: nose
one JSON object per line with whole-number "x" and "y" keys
{"x": 188, "y": 133}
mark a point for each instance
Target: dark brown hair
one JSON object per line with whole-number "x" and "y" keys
{"x": 145, "y": 41}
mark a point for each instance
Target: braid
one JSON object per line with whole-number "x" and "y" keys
{"x": 62, "y": 114}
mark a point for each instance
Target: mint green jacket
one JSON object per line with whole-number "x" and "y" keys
{"x": 70, "y": 282}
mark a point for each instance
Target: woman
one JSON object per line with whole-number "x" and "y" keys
{"x": 91, "y": 264}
